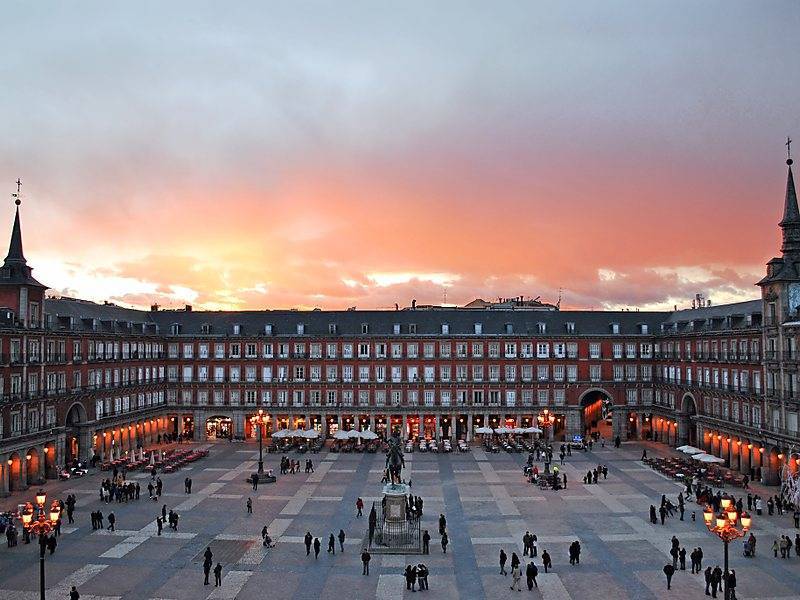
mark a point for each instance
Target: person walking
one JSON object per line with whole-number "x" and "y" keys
{"x": 249, "y": 506}
{"x": 308, "y": 540}
{"x": 682, "y": 558}
{"x": 708, "y": 575}
{"x": 74, "y": 594}
{"x": 669, "y": 571}
{"x": 218, "y": 575}
{"x": 503, "y": 559}
{"x": 442, "y": 524}
{"x": 112, "y": 519}
{"x": 515, "y": 577}
{"x": 445, "y": 541}
{"x": 317, "y": 546}
{"x": 365, "y": 558}
{"x": 531, "y": 571}
{"x": 359, "y": 507}
{"x": 331, "y": 544}
{"x": 547, "y": 563}
{"x": 341, "y": 540}
{"x": 514, "y": 560}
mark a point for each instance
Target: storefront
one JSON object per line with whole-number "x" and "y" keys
{"x": 219, "y": 427}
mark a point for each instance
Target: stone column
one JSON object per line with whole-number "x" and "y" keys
{"x": 573, "y": 425}
{"x": 199, "y": 426}
{"x": 238, "y": 424}
{"x": 469, "y": 428}
{"x": 4, "y": 470}
{"x": 438, "y": 418}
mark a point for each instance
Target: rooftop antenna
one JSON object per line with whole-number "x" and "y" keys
{"x": 444, "y": 302}
{"x": 789, "y": 151}
{"x": 560, "y": 291}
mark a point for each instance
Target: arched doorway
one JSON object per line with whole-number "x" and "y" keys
{"x": 33, "y": 465}
{"x": 50, "y": 461}
{"x": 14, "y": 471}
{"x": 687, "y": 432}
{"x": 595, "y": 407}
{"x": 76, "y": 416}
{"x": 219, "y": 427}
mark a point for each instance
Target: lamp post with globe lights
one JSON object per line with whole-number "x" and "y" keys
{"x": 35, "y": 521}
{"x": 546, "y": 419}
{"x": 260, "y": 420}
{"x": 724, "y": 526}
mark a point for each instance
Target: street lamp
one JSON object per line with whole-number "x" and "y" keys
{"x": 41, "y": 526}
{"x": 724, "y": 527}
{"x": 260, "y": 419}
{"x": 546, "y": 418}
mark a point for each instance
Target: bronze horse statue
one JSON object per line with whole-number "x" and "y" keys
{"x": 394, "y": 460}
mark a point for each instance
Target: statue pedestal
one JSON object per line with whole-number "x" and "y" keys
{"x": 394, "y": 505}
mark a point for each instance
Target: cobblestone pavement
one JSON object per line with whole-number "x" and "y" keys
{"x": 486, "y": 501}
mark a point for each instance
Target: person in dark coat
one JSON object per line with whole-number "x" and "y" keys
{"x": 426, "y": 540}
{"x": 365, "y": 558}
{"x": 531, "y": 571}
{"x": 514, "y": 560}
{"x": 411, "y": 578}
{"x": 308, "y": 539}
{"x": 442, "y": 524}
{"x": 708, "y": 575}
{"x": 732, "y": 584}
{"x": 716, "y": 581}
{"x": 422, "y": 576}
{"x": 669, "y": 571}
{"x": 682, "y": 558}
{"x": 218, "y": 575}
{"x": 445, "y": 541}
{"x": 653, "y": 517}
{"x": 547, "y": 563}
{"x": 317, "y": 546}
{"x": 331, "y": 545}
{"x": 74, "y": 594}
{"x": 341, "y": 539}
{"x": 503, "y": 559}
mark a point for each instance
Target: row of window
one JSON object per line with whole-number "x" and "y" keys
{"x": 57, "y": 381}
{"x": 744, "y": 349}
{"x": 733, "y": 379}
{"x": 56, "y": 350}
{"x": 334, "y": 350}
{"x": 409, "y": 373}
{"x": 301, "y": 398}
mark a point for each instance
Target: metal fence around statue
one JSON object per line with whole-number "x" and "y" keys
{"x": 396, "y": 537}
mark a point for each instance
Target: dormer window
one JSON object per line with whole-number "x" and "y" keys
{"x": 412, "y": 328}
{"x": 570, "y": 327}
{"x": 205, "y": 328}
{"x": 268, "y": 329}
{"x": 541, "y": 327}
{"x": 332, "y": 328}
{"x": 365, "y": 328}
{"x": 615, "y": 328}
{"x": 445, "y": 328}
{"x": 478, "y": 328}
{"x": 509, "y": 328}
{"x": 175, "y": 329}
{"x": 396, "y": 329}
{"x": 645, "y": 330}
{"x": 237, "y": 329}
{"x": 301, "y": 329}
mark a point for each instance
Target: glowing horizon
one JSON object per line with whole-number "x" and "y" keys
{"x": 631, "y": 155}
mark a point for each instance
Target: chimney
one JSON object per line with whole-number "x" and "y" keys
{"x": 188, "y": 308}
{"x": 413, "y": 303}
{"x": 154, "y": 308}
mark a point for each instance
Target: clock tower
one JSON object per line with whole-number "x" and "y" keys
{"x": 780, "y": 289}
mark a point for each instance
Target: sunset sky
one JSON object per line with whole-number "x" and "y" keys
{"x": 336, "y": 154}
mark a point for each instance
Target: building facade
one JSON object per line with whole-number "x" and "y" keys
{"x": 79, "y": 379}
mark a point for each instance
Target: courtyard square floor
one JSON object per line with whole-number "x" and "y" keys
{"x": 486, "y": 501}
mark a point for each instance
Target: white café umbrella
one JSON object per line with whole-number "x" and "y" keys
{"x": 502, "y": 430}
{"x": 532, "y": 430}
{"x": 682, "y": 448}
{"x": 701, "y": 455}
{"x": 310, "y": 434}
{"x": 484, "y": 430}
{"x": 518, "y": 430}
{"x": 691, "y": 450}
{"x": 281, "y": 434}
{"x": 353, "y": 434}
{"x": 342, "y": 435}
{"x": 369, "y": 435}
{"x": 707, "y": 458}
{"x": 152, "y": 458}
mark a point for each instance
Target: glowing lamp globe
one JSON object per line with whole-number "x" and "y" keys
{"x": 41, "y": 497}
{"x": 746, "y": 521}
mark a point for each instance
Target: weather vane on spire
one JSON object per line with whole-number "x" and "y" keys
{"x": 16, "y": 196}
{"x": 789, "y": 151}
